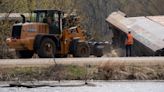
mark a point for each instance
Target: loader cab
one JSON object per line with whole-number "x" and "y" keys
{"x": 52, "y": 17}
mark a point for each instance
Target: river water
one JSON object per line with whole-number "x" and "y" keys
{"x": 110, "y": 86}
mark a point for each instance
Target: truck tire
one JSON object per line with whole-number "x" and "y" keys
{"x": 82, "y": 50}
{"x": 24, "y": 53}
{"x": 47, "y": 48}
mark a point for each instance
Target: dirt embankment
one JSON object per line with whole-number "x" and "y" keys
{"x": 108, "y": 71}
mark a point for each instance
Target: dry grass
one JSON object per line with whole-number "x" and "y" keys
{"x": 107, "y": 71}
{"x": 58, "y": 72}
{"x": 132, "y": 71}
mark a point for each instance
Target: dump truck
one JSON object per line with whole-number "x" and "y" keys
{"x": 148, "y": 32}
{"x": 49, "y": 34}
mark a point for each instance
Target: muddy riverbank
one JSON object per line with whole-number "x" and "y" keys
{"x": 99, "y": 86}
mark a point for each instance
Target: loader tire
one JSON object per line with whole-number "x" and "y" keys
{"x": 98, "y": 52}
{"x": 24, "y": 53}
{"x": 60, "y": 56}
{"x": 47, "y": 48}
{"x": 82, "y": 50}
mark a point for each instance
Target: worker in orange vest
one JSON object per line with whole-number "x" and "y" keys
{"x": 128, "y": 43}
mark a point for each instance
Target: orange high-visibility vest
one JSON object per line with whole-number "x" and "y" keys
{"x": 129, "y": 40}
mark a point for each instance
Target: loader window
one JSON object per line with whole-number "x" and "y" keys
{"x": 33, "y": 17}
{"x": 52, "y": 17}
{"x": 40, "y": 17}
{"x": 16, "y": 31}
{"x": 54, "y": 23}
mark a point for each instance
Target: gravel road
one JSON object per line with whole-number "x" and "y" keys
{"x": 76, "y": 61}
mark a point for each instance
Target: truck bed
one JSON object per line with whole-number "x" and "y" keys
{"x": 147, "y": 30}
